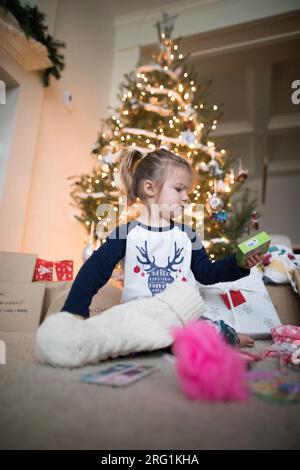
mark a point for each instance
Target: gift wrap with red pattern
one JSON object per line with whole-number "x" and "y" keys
{"x": 43, "y": 270}
{"x": 64, "y": 270}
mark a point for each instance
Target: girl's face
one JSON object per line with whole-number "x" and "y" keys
{"x": 174, "y": 194}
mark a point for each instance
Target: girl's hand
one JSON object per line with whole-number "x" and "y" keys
{"x": 253, "y": 261}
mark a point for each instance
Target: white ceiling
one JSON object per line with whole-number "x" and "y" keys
{"x": 124, "y": 7}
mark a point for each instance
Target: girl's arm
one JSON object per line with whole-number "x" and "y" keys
{"x": 206, "y": 272}
{"x": 94, "y": 273}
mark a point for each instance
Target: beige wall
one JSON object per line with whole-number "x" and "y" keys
{"x": 65, "y": 138}
{"x": 19, "y": 120}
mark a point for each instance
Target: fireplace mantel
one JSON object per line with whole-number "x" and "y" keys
{"x": 29, "y": 53}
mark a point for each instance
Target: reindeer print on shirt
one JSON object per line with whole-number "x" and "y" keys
{"x": 159, "y": 276}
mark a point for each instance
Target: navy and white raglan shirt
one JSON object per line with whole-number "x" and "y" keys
{"x": 153, "y": 258}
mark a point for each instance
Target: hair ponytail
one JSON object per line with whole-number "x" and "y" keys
{"x": 135, "y": 169}
{"x": 129, "y": 160}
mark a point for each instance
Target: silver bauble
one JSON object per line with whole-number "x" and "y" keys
{"x": 215, "y": 203}
{"x": 213, "y": 167}
{"x": 87, "y": 251}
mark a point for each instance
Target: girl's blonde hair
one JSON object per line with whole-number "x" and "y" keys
{"x": 136, "y": 168}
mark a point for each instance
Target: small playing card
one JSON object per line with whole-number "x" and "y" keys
{"x": 119, "y": 375}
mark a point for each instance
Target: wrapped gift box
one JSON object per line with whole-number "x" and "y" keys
{"x": 22, "y": 301}
{"x": 43, "y": 270}
{"x": 255, "y": 315}
{"x": 258, "y": 244}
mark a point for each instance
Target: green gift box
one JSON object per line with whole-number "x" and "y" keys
{"x": 258, "y": 244}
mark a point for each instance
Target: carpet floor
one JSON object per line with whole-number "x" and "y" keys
{"x": 46, "y": 408}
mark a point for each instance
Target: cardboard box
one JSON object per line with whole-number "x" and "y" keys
{"x": 17, "y": 267}
{"x": 20, "y": 305}
{"x": 53, "y": 291}
{"x": 55, "y": 297}
{"x": 259, "y": 244}
{"x": 286, "y": 303}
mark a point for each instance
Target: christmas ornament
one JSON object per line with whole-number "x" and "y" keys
{"x": 95, "y": 148}
{"x": 87, "y": 251}
{"x": 215, "y": 203}
{"x": 135, "y": 104}
{"x": 188, "y": 137}
{"x": 242, "y": 174}
{"x": 213, "y": 167}
{"x": 89, "y": 248}
{"x": 221, "y": 216}
{"x": 254, "y": 222}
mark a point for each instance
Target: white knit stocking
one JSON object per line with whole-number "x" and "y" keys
{"x": 64, "y": 340}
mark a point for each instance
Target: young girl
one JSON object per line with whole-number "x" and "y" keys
{"x": 157, "y": 250}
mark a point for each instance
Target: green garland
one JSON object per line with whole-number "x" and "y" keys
{"x": 32, "y": 22}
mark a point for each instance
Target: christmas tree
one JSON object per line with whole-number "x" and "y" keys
{"x": 162, "y": 105}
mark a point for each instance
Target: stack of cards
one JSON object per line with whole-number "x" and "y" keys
{"x": 119, "y": 375}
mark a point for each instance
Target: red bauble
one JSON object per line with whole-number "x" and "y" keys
{"x": 183, "y": 279}
{"x": 136, "y": 269}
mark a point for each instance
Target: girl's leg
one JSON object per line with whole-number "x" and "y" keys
{"x": 230, "y": 335}
{"x": 227, "y": 332}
